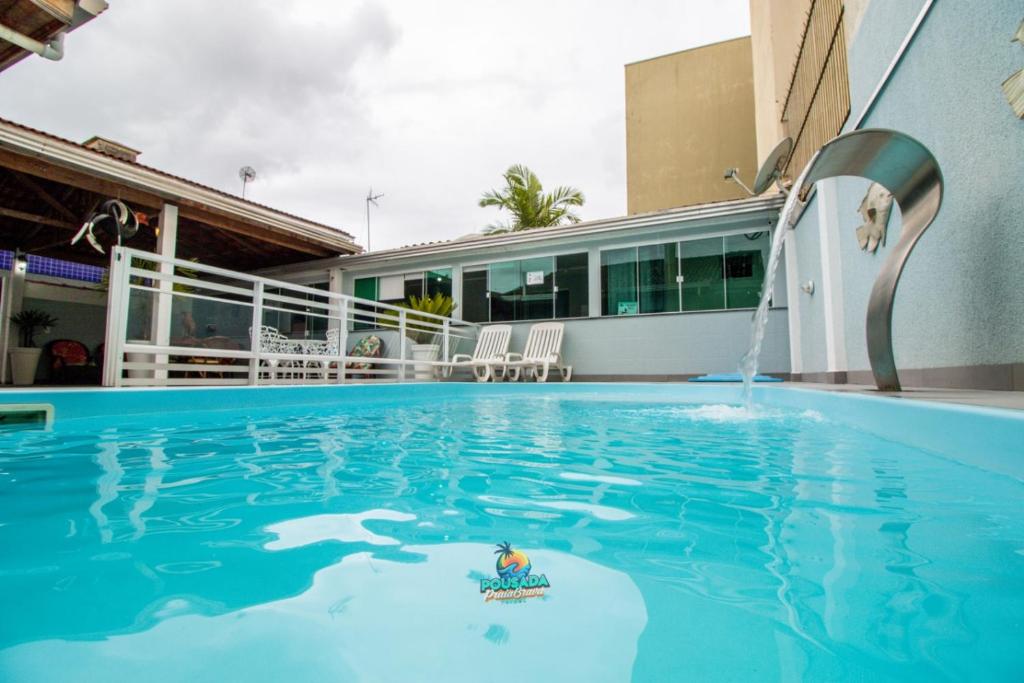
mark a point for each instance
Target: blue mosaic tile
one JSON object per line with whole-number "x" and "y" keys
{"x": 44, "y": 265}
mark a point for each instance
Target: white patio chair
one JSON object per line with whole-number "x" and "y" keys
{"x": 272, "y": 341}
{"x": 491, "y": 347}
{"x": 319, "y": 350}
{"x": 543, "y": 351}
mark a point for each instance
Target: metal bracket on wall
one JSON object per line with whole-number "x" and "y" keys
{"x": 906, "y": 168}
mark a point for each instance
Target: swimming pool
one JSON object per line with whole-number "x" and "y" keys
{"x": 349, "y": 533}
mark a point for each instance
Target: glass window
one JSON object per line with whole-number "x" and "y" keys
{"x": 475, "y": 305}
{"x": 618, "y": 282}
{"x": 365, "y": 288}
{"x": 657, "y": 268}
{"x": 703, "y": 274}
{"x": 538, "y": 288}
{"x": 412, "y": 287}
{"x": 439, "y": 281}
{"x": 572, "y": 283}
{"x": 391, "y": 289}
{"x": 745, "y": 259}
{"x": 505, "y": 287}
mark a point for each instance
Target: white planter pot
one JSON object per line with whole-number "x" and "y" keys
{"x": 24, "y": 362}
{"x": 428, "y": 352}
{"x": 139, "y": 358}
{"x": 136, "y": 357}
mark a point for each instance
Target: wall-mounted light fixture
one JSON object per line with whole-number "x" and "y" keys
{"x": 808, "y": 287}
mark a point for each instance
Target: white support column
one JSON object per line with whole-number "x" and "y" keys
{"x": 593, "y": 282}
{"x": 831, "y": 275}
{"x": 12, "y": 297}
{"x": 336, "y": 285}
{"x": 457, "y": 289}
{"x": 166, "y": 245}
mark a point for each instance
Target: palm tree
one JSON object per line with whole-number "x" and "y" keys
{"x": 523, "y": 196}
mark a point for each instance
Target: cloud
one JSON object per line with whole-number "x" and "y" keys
{"x": 427, "y": 102}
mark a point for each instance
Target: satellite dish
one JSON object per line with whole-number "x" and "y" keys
{"x": 773, "y": 166}
{"x": 771, "y": 170}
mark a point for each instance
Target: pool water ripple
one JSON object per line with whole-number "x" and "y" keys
{"x": 749, "y": 546}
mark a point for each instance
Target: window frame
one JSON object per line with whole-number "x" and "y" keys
{"x": 721, "y": 234}
{"x": 356, "y": 275}
{"x": 553, "y": 255}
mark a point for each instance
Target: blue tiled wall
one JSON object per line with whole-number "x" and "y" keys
{"x": 44, "y": 265}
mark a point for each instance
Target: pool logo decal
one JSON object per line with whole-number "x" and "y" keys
{"x": 514, "y": 582}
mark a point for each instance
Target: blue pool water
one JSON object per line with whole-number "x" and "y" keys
{"x": 346, "y": 537}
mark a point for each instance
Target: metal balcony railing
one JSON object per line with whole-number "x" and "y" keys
{"x": 172, "y": 323}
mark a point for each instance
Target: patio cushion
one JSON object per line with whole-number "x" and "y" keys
{"x": 367, "y": 347}
{"x": 68, "y": 352}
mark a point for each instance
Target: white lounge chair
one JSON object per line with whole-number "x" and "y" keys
{"x": 491, "y": 347}
{"x": 542, "y": 352}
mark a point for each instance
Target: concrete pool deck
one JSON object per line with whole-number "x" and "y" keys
{"x": 1007, "y": 400}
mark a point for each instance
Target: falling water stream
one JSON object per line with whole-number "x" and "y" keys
{"x": 748, "y": 364}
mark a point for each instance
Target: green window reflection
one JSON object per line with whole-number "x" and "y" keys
{"x": 572, "y": 280}
{"x": 657, "y": 268}
{"x": 618, "y": 282}
{"x": 439, "y": 282}
{"x": 745, "y": 259}
{"x": 537, "y": 301}
{"x": 365, "y": 288}
{"x": 703, "y": 275}
{"x": 505, "y": 291}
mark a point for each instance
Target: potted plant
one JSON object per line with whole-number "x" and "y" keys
{"x": 424, "y": 348}
{"x": 25, "y": 358}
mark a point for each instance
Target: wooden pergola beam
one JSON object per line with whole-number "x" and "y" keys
{"x": 41, "y": 192}
{"x": 101, "y": 186}
{"x": 198, "y": 213}
{"x": 36, "y": 218}
{"x": 192, "y": 210}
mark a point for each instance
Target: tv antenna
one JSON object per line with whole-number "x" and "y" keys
{"x": 246, "y": 174}
{"x": 771, "y": 170}
{"x": 371, "y": 198}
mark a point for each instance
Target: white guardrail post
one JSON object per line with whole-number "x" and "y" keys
{"x": 112, "y": 347}
{"x": 254, "y": 332}
{"x": 401, "y": 345}
{"x": 342, "y": 341}
{"x": 446, "y": 325}
{"x": 124, "y": 262}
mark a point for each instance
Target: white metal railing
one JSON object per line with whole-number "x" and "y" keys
{"x": 172, "y": 322}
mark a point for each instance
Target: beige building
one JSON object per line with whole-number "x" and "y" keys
{"x": 689, "y": 116}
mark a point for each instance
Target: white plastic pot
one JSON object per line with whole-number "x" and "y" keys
{"x": 424, "y": 352}
{"x": 24, "y": 362}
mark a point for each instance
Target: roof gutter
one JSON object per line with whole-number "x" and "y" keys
{"x": 590, "y": 228}
{"x": 70, "y": 155}
{"x": 53, "y": 50}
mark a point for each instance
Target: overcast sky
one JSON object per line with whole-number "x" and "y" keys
{"x": 428, "y": 102}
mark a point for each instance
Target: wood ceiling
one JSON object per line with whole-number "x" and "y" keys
{"x": 43, "y": 205}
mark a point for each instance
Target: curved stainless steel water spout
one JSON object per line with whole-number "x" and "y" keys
{"x": 906, "y": 168}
